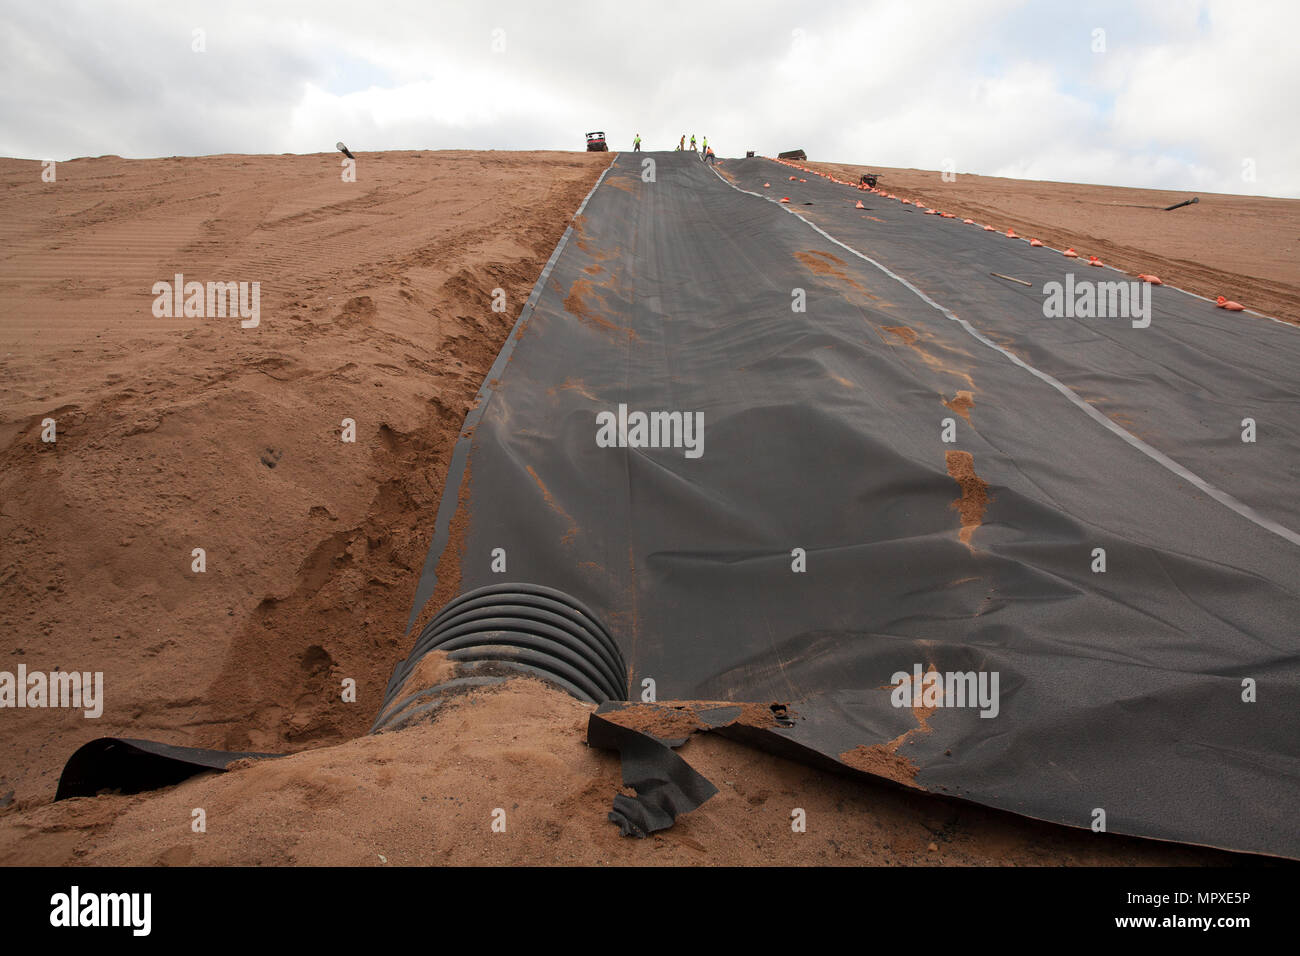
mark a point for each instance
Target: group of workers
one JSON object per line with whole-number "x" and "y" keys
{"x": 705, "y": 151}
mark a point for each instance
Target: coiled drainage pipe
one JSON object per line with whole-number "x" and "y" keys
{"x": 504, "y": 630}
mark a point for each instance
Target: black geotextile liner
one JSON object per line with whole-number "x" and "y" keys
{"x": 133, "y": 766}
{"x": 1119, "y": 691}
{"x": 666, "y": 786}
{"x": 1183, "y": 383}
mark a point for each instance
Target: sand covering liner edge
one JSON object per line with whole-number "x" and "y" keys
{"x": 644, "y": 736}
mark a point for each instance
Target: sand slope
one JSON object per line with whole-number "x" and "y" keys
{"x": 182, "y": 433}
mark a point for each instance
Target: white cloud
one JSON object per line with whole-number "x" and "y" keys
{"x": 1181, "y": 96}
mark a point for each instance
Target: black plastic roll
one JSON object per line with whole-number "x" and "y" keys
{"x": 504, "y": 630}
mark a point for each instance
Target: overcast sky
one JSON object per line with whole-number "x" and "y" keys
{"x": 1182, "y": 94}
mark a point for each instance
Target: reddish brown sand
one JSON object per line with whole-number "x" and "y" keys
{"x": 183, "y": 433}
{"x": 909, "y": 337}
{"x": 676, "y": 719}
{"x": 427, "y": 794}
{"x": 826, "y": 264}
{"x": 961, "y": 403}
{"x": 376, "y": 306}
{"x": 1244, "y": 247}
{"x": 974, "y": 500}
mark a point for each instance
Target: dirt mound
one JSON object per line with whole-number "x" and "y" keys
{"x": 430, "y": 794}
{"x": 182, "y": 433}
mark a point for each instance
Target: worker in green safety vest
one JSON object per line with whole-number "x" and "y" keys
{"x": 636, "y": 144}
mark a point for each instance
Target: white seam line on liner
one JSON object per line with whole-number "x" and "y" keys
{"x": 1222, "y": 497}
